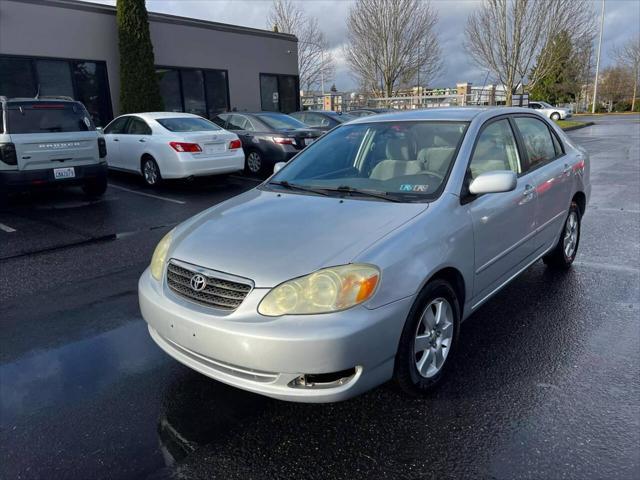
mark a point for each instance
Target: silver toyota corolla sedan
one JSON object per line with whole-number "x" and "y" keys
{"x": 357, "y": 262}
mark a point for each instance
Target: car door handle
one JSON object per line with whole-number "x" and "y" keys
{"x": 528, "y": 193}
{"x": 567, "y": 169}
{"x": 116, "y": 140}
{"x": 142, "y": 140}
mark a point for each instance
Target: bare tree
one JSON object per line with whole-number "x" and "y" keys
{"x": 508, "y": 36}
{"x": 315, "y": 63}
{"x": 391, "y": 42}
{"x": 629, "y": 55}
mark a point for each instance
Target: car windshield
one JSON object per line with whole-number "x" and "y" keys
{"x": 280, "y": 121}
{"x": 43, "y": 117}
{"x": 403, "y": 160}
{"x": 188, "y": 124}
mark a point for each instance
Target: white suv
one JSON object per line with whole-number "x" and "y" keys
{"x": 50, "y": 141}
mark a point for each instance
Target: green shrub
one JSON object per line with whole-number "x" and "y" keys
{"x": 139, "y": 89}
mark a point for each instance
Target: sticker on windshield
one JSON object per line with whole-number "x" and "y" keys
{"x": 87, "y": 122}
{"x": 408, "y": 187}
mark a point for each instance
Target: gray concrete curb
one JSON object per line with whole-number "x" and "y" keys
{"x": 577, "y": 127}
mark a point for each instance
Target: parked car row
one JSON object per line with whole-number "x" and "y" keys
{"x": 54, "y": 141}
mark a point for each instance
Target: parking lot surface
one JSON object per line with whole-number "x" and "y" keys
{"x": 546, "y": 383}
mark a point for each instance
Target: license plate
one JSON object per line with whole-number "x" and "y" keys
{"x": 210, "y": 148}
{"x": 309, "y": 141}
{"x": 61, "y": 173}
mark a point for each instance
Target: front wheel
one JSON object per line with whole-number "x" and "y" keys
{"x": 151, "y": 172}
{"x": 564, "y": 253}
{"x": 428, "y": 340}
{"x": 555, "y": 116}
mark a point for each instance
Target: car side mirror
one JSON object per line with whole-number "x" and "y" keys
{"x": 494, "y": 182}
{"x": 100, "y": 130}
{"x": 278, "y": 166}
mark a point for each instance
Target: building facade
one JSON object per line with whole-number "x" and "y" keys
{"x": 68, "y": 47}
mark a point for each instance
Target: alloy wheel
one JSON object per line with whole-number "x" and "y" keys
{"x": 570, "y": 239}
{"x": 150, "y": 171}
{"x": 254, "y": 162}
{"x": 434, "y": 337}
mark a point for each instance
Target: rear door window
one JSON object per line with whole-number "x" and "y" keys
{"x": 137, "y": 126}
{"x": 537, "y": 141}
{"x": 47, "y": 117}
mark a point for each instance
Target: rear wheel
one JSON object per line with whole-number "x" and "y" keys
{"x": 555, "y": 116}
{"x": 151, "y": 172}
{"x": 254, "y": 162}
{"x": 429, "y": 339}
{"x": 95, "y": 188}
{"x": 564, "y": 253}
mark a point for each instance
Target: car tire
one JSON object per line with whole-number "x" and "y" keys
{"x": 254, "y": 163}
{"x": 433, "y": 322}
{"x": 555, "y": 116}
{"x": 564, "y": 253}
{"x": 151, "y": 172}
{"x": 95, "y": 188}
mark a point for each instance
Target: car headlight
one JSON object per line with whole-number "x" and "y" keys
{"x": 327, "y": 290}
{"x": 160, "y": 256}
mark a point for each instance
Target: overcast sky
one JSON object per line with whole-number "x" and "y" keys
{"x": 622, "y": 22}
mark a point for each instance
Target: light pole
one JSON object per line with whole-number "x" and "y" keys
{"x": 595, "y": 85}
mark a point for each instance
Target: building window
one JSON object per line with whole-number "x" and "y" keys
{"x": 170, "y": 89}
{"x": 85, "y": 81}
{"x": 217, "y": 91}
{"x": 17, "y": 78}
{"x": 54, "y": 77}
{"x": 92, "y": 89}
{"x": 279, "y": 93}
{"x": 193, "y": 92}
{"x": 200, "y": 91}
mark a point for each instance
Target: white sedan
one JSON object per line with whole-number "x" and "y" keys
{"x": 163, "y": 145}
{"x": 549, "y": 111}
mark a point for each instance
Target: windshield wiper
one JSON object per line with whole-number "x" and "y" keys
{"x": 302, "y": 188}
{"x": 368, "y": 193}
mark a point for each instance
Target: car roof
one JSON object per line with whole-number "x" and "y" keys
{"x": 160, "y": 115}
{"x": 460, "y": 114}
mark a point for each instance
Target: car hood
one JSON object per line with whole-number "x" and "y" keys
{"x": 271, "y": 237}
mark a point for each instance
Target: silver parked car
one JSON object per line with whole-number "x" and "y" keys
{"x": 357, "y": 261}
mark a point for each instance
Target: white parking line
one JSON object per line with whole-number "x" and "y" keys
{"x": 6, "y": 228}
{"x": 118, "y": 187}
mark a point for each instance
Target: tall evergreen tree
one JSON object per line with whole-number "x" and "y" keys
{"x": 558, "y": 84}
{"x": 139, "y": 89}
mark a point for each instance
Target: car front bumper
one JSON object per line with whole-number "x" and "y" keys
{"x": 15, "y": 180}
{"x": 265, "y": 354}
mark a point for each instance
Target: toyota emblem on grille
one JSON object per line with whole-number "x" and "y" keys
{"x": 198, "y": 282}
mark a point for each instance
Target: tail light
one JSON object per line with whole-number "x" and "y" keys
{"x": 185, "y": 147}
{"x": 8, "y": 153}
{"x": 283, "y": 140}
{"x": 102, "y": 147}
{"x": 234, "y": 144}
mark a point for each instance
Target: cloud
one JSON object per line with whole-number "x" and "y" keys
{"x": 622, "y": 22}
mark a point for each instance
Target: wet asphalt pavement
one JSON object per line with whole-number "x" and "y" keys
{"x": 546, "y": 383}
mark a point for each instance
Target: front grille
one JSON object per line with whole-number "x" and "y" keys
{"x": 218, "y": 293}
